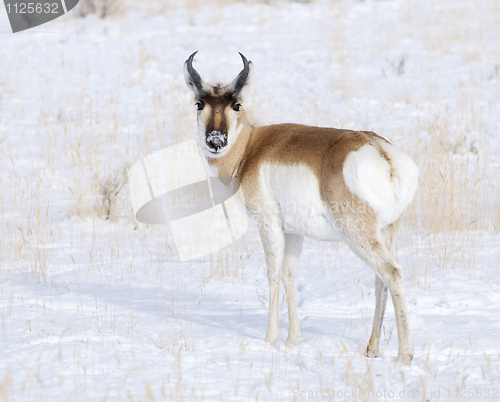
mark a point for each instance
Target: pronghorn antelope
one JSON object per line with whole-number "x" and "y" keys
{"x": 325, "y": 183}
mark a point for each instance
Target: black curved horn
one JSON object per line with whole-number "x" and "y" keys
{"x": 240, "y": 81}
{"x": 196, "y": 80}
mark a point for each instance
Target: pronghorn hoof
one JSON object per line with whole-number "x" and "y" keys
{"x": 405, "y": 358}
{"x": 272, "y": 340}
{"x": 371, "y": 353}
{"x": 292, "y": 341}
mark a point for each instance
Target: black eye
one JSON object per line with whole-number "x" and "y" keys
{"x": 199, "y": 105}
{"x": 236, "y": 107}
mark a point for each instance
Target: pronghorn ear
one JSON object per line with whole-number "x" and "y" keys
{"x": 193, "y": 79}
{"x": 243, "y": 80}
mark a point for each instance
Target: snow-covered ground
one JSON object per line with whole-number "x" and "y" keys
{"x": 101, "y": 309}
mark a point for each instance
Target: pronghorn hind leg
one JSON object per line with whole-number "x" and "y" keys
{"x": 389, "y": 234}
{"x": 376, "y": 255}
{"x": 293, "y": 248}
{"x": 381, "y": 301}
{"x": 274, "y": 244}
{"x": 372, "y": 349}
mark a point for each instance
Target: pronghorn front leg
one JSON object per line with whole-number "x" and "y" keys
{"x": 293, "y": 248}
{"x": 273, "y": 242}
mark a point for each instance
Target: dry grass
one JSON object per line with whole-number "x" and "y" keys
{"x": 110, "y": 185}
{"x": 164, "y": 6}
{"x": 101, "y": 8}
{"x": 455, "y": 200}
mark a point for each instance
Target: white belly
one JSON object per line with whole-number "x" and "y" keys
{"x": 291, "y": 194}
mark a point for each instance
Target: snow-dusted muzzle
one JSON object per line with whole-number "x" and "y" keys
{"x": 216, "y": 140}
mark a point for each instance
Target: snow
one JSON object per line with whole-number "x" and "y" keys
{"x": 96, "y": 309}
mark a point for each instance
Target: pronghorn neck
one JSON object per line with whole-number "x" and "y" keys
{"x": 229, "y": 164}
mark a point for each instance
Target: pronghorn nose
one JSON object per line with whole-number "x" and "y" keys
{"x": 216, "y": 140}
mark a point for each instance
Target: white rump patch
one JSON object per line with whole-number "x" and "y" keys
{"x": 368, "y": 175}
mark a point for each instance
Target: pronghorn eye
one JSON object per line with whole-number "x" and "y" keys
{"x": 200, "y": 105}
{"x": 236, "y": 107}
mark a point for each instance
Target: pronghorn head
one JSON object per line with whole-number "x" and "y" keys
{"x": 219, "y": 108}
